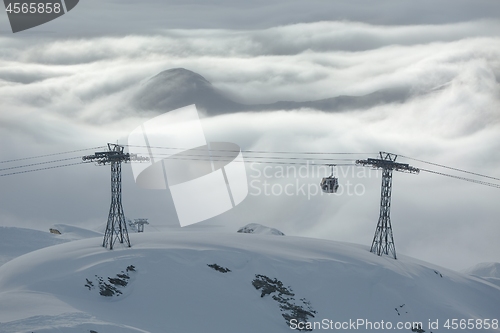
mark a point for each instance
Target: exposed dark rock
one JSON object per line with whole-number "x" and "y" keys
{"x": 111, "y": 289}
{"x": 105, "y": 289}
{"x": 285, "y": 297}
{"x": 268, "y": 286}
{"x": 219, "y": 268}
{"x": 89, "y": 284}
{"x": 117, "y": 281}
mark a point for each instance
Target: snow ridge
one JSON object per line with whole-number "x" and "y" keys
{"x": 485, "y": 269}
{"x": 255, "y": 228}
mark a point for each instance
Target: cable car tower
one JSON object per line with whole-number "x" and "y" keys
{"x": 116, "y": 227}
{"x": 383, "y": 241}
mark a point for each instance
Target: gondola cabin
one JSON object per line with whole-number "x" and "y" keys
{"x": 329, "y": 184}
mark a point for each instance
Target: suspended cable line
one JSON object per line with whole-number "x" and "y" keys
{"x": 451, "y": 168}
{"x": 253, "y": 157}
{"x": 251, "y": 151}
{"x": 463, "y": 178}
{"x": 305, "y": 162}
{"x": 249, "y": 156}
{"x": 54, "y": 154}
{"x": 40, "y": 163}
{"x": 221, "y": 158}
{"x": 46, "y": 168}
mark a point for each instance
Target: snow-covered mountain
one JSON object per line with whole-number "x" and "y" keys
{"x": 485, "y": 269}
{"x": 15, "y": 242}
{"x": 490, "y": 271}
{"x": 178, "y": 87}
{"x": 195, "y": 280}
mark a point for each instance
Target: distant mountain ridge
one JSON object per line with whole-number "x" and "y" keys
{"x": 489, "y": 271}
{"x": 485, "y": 269}
{"x": 178, "y": 87}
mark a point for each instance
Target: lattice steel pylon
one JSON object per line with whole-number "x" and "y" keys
{"x": 383, "y": 241}
{"x": 116, "y": 228}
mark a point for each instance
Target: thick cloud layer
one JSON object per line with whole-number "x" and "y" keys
{"x": 105, "y": 17}
{"x": 65, "y": 94}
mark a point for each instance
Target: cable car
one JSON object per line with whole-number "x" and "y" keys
{"x": 329, "y": 184}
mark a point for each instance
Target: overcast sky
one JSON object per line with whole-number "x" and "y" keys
{"x": 68, "y": 84}
{"x": 123, "y": 17}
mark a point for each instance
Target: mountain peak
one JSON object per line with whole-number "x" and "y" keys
{"x": 485, "y": 269}
{"x": 178, "y": 87}
{"x": 179, "y": 77}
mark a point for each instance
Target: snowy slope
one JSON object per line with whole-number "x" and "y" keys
{"x": 174, "y": 290}
{"x": 489, "y": 271}
{"x": 70, "y": 232}
{"x": 18, "y": 241}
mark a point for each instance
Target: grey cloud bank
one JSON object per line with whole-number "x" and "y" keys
{"x": 108, "y": 17}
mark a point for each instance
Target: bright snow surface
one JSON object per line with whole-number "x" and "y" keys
{"x": 18, "y": 241}
{"x": 173, "y": 289}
